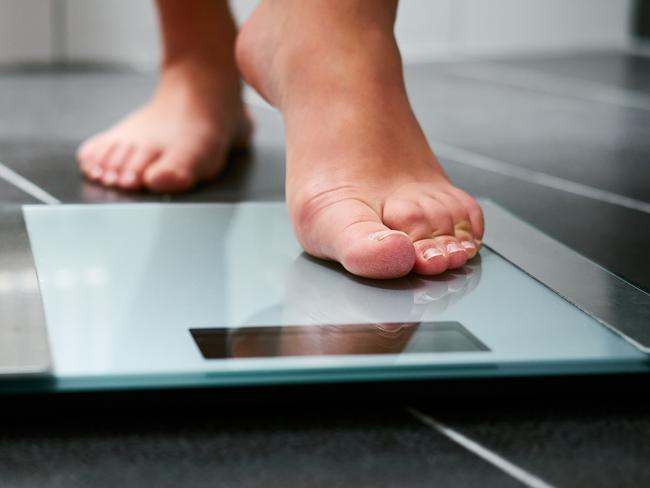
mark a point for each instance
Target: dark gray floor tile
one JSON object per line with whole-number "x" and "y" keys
{"x": 618, "y": 69}
{"x": 600, "y": 145}
{"x": 283, "y": 448}
{"x": 615, "y": 237}
{"x": 11, "y": 194}
{"x": 600, "y": 444}
{"x": 257, "y": 174}
{"x": 67, "y": 106}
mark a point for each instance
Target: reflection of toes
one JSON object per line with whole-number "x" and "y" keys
{"x": 457, "y": 282}
{"x": 432, "y": 289}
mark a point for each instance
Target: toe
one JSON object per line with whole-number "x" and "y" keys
{"x": 372, "y": 250}
{"x": 115, "y": 162}
{"x": 430, "y": 225}
{"x": 97, "y": 166}
{"x": 171, "y": 173}
{"x": 87, "y": 150}
{"x": 90, "y": 155}
{"x": 474, "y": 213}
{"x": 430, "y": 257}
{"x": 131, "y": 174}
{"x": 463, "y": 230}
{"x": 351, "y": 232}
{"x": 457, "y": 256}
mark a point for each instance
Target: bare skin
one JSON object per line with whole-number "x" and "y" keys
{"x": 363, "y": 186}
{"x": 183, "y": 134}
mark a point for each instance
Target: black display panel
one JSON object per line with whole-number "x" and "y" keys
{"x": 335, "y": 340}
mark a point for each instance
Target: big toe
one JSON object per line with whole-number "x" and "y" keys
{"x": 171, "y": 173}
{"x": 352, "y": 233}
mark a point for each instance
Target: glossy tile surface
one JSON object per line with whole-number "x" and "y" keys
{"x": 11, "y": 194}
{"x": 274, "y": 447}
{"x": 596, "y": 144}
{"x": 46, "y": 114}
{"x": 597, "y": 443}
{"x": 618, "y": 69}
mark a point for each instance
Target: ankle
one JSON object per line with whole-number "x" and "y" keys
{"x": 202, "y": 30}
{"x": 286, "y": 63}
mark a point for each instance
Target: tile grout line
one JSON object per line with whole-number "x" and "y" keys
{"x": 494, "y": 459}
{"x": 531, "y": 79}
{"x": 476, "y": 160}
{"x": 469, "y": 158}
{"x": 22, "y": 183}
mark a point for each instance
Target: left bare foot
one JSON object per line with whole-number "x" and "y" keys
{"x": 183, "y": 134}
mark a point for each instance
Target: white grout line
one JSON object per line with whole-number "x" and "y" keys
{"x": 557, "y": 85}
{"x": 27, "y": 186}
{"x": 475, "y": 160}
{"x": 499, "y": 462}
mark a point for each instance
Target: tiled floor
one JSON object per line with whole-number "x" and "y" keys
{"x": 537, "y": 137}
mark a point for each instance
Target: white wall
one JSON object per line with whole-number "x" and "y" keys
{"x": 525, "y": 25}
{"x": 25, "y": 31}
{"x": 124, "y": 31}
{"x": 111, "y": 30}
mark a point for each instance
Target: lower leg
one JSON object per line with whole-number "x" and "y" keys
{"x": 363, "y": 186}
{"x": 182, "y": 135}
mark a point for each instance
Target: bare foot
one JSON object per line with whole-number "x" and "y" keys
{"x": 182, "y": 136}
{"x": 363, "y": 186}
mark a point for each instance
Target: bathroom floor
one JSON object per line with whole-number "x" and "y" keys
{"x": 561, "y": 141}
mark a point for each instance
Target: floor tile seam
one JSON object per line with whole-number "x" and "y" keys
{"x": 27, "y": 186}
{"x": 552, "y": 84}
{"x": 508, "y": 467}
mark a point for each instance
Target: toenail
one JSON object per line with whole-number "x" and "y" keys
{"x": 110, "y": 177}
{"x": 128, "y": 177}
{"x": 431, "y": 253}
{"x": 468, "y": 245}
{"x": 96, "y": 172}
{"x": 383, "y": 234}
{"x": 454, "y": 247}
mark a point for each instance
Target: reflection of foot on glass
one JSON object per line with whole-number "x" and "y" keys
{"x": 363, "y": 186}
{"x": 326, "y": 312}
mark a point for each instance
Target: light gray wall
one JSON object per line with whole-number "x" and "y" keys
{"x": 25, "y": 30}
{"x": 124, "y": 31}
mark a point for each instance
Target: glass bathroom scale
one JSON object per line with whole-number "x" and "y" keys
{"x": 137, "y": 296}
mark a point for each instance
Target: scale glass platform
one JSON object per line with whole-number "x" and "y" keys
{"x": 101, "y": 297}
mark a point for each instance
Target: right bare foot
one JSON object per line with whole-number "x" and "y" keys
{"x": 363, "y": 186}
